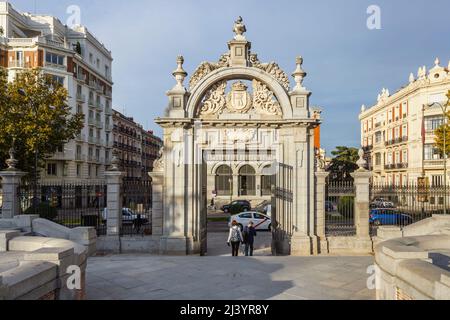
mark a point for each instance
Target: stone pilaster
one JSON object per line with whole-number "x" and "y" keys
{"x": 158, "y": 202}
{"x": 320, "y": 210}
{"x": 11, "y": 202}
{"x": 362, "y": 206}
{"x": 114, "y": 204}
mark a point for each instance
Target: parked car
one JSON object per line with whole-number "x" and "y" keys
{"x": 261, "y": 221}
{"x": 128, "y": 217}
{"x": 382, "y": 216}
{"x": 237, "y": 206}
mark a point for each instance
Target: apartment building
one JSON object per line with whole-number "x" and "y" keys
{"x": 136, "y": 148}
{"x": 397, "y": 133}
{"x": 80, "y": 62}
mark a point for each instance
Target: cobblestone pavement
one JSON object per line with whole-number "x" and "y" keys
{"x": 145, "y": 277}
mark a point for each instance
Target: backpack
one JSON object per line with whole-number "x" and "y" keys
{"x": 235, "y": 237}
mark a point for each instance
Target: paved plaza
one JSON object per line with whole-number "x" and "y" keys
{"x": 222, "y": 277}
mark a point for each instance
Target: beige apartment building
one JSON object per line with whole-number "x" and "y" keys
{"x": 397, "y": 133}
{"x": 80, "y": 62}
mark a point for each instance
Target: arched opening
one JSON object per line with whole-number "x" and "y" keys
{"x": 247, "y": 181}
{"x": 266, "y": 180}
{"x": 224, "y": 180}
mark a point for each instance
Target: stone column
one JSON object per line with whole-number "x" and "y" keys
{"x": 11, "y": 181}
{"x": 320, "y": 210}
{"x": 362, "y": 205}
{"x": 157, "y": 203}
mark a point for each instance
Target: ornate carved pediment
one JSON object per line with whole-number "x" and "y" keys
{"x": 273, "y": 69}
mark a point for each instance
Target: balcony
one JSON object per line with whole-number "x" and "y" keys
{"x": 55, "y": 65}
{"x": 99, "y": 124}
{"x": 99, "y": 106}
{"x": 19, "y": 64}
{"x": 80, "y": 138}
{"x": 81, "y": 98}
{"x": 91, "y": 122}
{"x": 108, "y": 93}
{"x": 80, "y": 77}
{"x": 396, "y": 141}
{"x": 389, "y": 166}
{"x": 80, "y": 157}
{"x": 108, "y": 127}
{"x": 91, "y": 103}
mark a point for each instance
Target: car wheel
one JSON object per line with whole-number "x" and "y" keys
{"x": 377, "y": 223}
{"x": 226, "y": 210}
{"x": 246, "y": 209}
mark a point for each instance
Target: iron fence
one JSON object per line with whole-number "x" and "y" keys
{"x": 402, "y": 205}
{"x": 136, "y": 208}
{"x": 71, "y": 205}
{"x": 339, "y": 209}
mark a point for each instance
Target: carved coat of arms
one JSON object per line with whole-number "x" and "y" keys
{"x": 239, "y": 100}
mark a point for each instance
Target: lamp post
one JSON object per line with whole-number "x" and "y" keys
{"x": 444, "y": 113}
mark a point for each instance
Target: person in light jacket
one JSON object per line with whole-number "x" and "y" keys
{"x": 235, "y": 238}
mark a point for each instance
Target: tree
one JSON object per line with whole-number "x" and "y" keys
{"x": 439, "y": 133}
{"x": 343, "y": 163}
{"x": 34, "y": 115}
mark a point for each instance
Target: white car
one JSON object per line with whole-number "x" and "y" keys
{"x": 128, "y": 216}
{"x": 260, "y": 221}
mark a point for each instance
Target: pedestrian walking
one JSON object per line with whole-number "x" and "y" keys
{"x": 235, "y": 238}
{"x": 249, "y": 235}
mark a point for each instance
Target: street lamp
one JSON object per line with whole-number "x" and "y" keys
{"x": 444, "y": 112}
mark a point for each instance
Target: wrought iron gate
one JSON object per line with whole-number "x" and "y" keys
{"x": 282, "y": 207}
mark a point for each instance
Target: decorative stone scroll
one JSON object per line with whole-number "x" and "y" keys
{"x": 264, "y": 101}
{"x": 273, "y": 69}
{"x": 215, "y": 100}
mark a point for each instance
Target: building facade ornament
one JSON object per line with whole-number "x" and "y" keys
{"x": 239, "y": 100}
{"x": 264, "y": 100}
{"x": 273, "y": 69}
{"x": 215, "y": 100}
{"x": 158, "y": 164}
{"x": 240, "y": 135}
{"x": 239, "y": 29}
{"x": 299, "y": 74}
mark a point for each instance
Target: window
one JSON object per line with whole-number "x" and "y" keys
{"x": 224, "y": 180}
{"x": 57, "y": 79}
{"x": 78, "y": 170}
{"x": 246, "y": 216}
{"x": 247, "y": 181}
{"x": 405, "y": 156}
{"x": 91, "y": 57}
{"x": 65, "y": 169}
{"x": 377, "y": 159}
{"x": 54, "y": 58}
{"x": 266, "y": 181}
{"x": 433, "y": 123}
{"x": 432, "y": 153}
{"x": 79, "y": 109}
{"x": 51, "y": 169}
{"x": 378, "y": 137}
{"x": 437, "y": 181}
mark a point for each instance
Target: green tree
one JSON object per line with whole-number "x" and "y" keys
{"x": 343, "y": 163}
{"x": 439, "y": 133}
{"x": 34, "y": 115}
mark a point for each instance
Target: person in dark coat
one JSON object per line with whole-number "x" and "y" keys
{"x": 249, "y": 235}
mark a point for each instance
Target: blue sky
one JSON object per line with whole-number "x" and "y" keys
{"x": 347, "y": 63}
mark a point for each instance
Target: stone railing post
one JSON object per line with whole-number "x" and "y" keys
{"x": 11, "y": 178}
{"x": 320, "y": 211}
{"x": 114, "y": 201}
{"x": 157, "y": 202}
{"x": 362, "y": 203}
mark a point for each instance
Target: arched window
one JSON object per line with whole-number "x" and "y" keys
{"x": 224, "y": 180}
{"x": 266, "y": 181}
{"x": 247, "y": 181}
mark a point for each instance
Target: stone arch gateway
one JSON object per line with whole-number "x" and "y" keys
{"x": 234, "y": 112}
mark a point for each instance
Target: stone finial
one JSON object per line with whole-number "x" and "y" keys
{"x": 437, "y": 62}
{"x": 12, "y": 161}
{"x": 299, "y": 74}
{"x": 411, "y": 78}
{"x": 114, "y": 162}
{"x": 239, "y": 29}
{"x": 180, "y": 74}
{"x": 363, "y": 108}
{"x": 361, "y": 162}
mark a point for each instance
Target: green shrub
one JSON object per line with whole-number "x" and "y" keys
{"x": 44, "y": 210}
{"x": 346, "y": 205}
